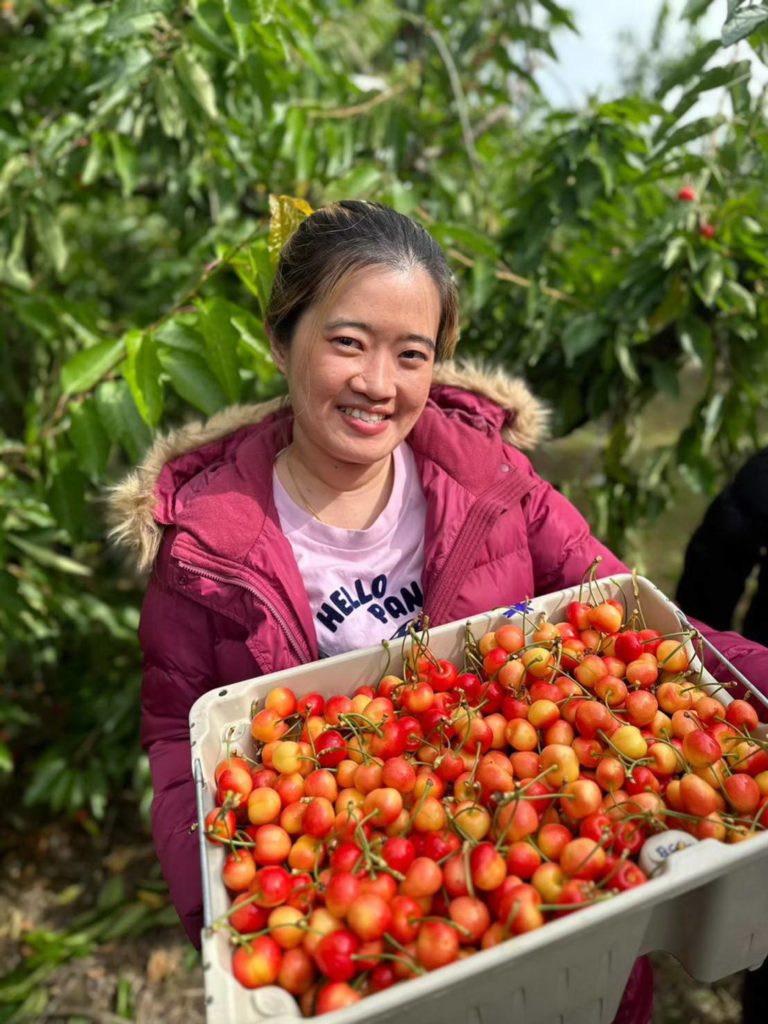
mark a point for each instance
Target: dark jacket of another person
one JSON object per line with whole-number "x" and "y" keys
{"x": 730, "y": 543}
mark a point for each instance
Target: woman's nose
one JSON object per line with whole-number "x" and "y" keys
{"x": 375, "y": 379}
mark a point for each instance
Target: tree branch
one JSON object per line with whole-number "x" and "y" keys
{"x": 339, "y": 113}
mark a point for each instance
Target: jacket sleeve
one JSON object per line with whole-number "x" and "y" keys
{"x": 750, "y": 658}
{"x": 561, "y": 545}
{"x": 177, "y": 640}
{"x": 562, "y": 549}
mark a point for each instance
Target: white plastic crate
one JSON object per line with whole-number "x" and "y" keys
{"x": 708, "y": 906}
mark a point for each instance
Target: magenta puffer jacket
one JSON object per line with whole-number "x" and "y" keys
{"x": 226, "y": 601}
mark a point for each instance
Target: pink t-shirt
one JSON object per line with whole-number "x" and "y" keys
{"x": 364, "y": 586}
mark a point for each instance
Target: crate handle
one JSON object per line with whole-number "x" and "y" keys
{"x": 723, "y": 660}
{"x": 199, "y": 790}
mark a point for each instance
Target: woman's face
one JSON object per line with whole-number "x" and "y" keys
{"x": 359, "y": 366}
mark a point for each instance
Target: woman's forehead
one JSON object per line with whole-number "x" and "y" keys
{"x": 382, "y": 296}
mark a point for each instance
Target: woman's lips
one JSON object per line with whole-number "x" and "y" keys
{"x": 369, "y": 428}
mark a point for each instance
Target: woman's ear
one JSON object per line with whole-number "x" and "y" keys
{"x": 277, "y": 350}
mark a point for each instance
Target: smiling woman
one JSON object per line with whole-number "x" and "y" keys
{"x": 388, "y": 483}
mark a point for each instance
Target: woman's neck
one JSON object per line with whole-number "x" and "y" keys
{"x": 336, "y": 493}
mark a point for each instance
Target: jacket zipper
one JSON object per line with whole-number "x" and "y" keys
{"x": 479, "y": 519}
{"x": 297, "y": 647}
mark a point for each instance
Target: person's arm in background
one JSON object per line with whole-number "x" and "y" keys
{"x": 177, "y": 639}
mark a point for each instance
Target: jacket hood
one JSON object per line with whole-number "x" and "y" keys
{"x": 489, "y": 398}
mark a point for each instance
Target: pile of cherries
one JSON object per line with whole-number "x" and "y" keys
{"x": 377, "y": 836}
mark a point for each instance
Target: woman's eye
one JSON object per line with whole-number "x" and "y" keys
{"x": 347, "y": 342}
{"x": 414, "y": 355}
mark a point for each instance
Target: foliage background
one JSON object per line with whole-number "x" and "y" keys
{"x": 140, "y": 142}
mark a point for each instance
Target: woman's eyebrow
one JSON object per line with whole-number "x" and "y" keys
{"x": 334, "y": 325}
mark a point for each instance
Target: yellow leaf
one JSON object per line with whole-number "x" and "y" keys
{"x": 285, "y": 215}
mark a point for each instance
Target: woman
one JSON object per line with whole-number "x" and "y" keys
{"x": 388, "y": 482}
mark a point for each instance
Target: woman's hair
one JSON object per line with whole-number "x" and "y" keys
{"x": 337, "y": 240}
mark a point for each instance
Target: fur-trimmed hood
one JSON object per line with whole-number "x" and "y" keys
{"x": 510, "y": 407}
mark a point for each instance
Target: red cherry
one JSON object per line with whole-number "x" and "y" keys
{"x": 628, "y": 646}
{"x": 470, "y": 684}
{"x": 443, "y": 676}
{"x": 331, "y": 748}
{"x": 578, "y": 614}
{"x": 334, "y": 952}
{"x": 707, "y": 231}
{"x": 686, "y": 194}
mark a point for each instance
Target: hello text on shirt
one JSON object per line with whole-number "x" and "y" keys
{"x": 386, "y": 608}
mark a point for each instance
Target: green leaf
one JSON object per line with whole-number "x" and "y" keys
{"x": 170, "y": 113}
{"x": 12, "y": 168}
{"x": 712, "y": 419}
{"x": 715, "y": 78}
{"x": 46, "y": 771}
{"x": 66, "y": 498}
{"x": 88, "y": 438}
{"x": 24, "y": 985}
{"x": 737, "y": 297}
{"x": 12, "y": 604}
{"x": 49, "y": 559}
{"x": 221, "y": 338}
{"x": 132, "y": 18}
{"x": 625, "y": 361}
{"x": 743, "y": 23}
{"x": 711, "y": 281}
{"x": 112, "y": 893}
{"x": 142, "y": 371}
{"x": 121, "y": 419}
{"x": 239, "y": 17}
{"x": 13, "y": 268}
{"x": 84, "y": 370}
{"x": 125, "y": 999}
{"x": 51, "y": 238}
{"x": 256, "y": 270}
{"x": 675, "y": 249}
{"x": 687, "y": 133}
{"x": 180, "y": 333}
{"x": 465, "y": 236}
{"x": 95, "y": 159}
{"x": 130, "y": 920}
{"x": 694, "y": 9}
{"x": 192, "y": 379}
{"x": 126, "y": 162}
{"x": 671, "y": 306}
{"x": 6, "y": 759}
{"x": 696, "y": 341}
{"x": 580, "y": 335}
{"x": 359, "y": 183}
{"x": 241, "y": 11}
{"x": 197, "y": 82}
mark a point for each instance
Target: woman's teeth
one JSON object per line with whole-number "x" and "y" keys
{"x": 368, "y": 417}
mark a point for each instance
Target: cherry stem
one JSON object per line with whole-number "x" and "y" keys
{"x": 414, "y": 815}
